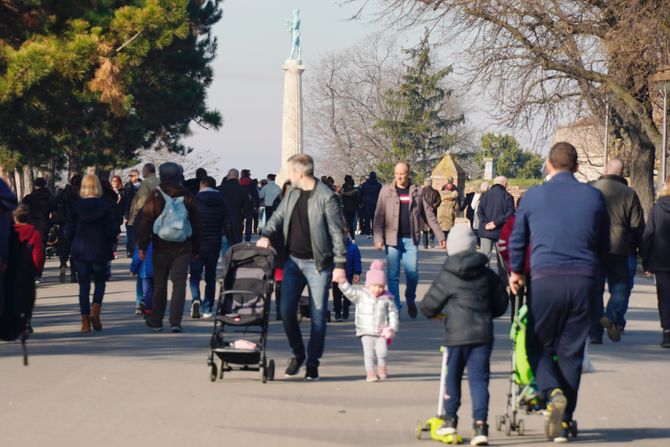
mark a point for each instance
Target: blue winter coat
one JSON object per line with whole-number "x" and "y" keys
{"x": 369, "y": 193}
{"x": 92, "y": 228}
{"x": 214, "y": 219}
{"x": 144, "y": 269}
{"x": 496, "y": 205}
{"x": 353, "y": 264}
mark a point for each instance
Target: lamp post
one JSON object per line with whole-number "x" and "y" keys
{"x": 662, "y": 80}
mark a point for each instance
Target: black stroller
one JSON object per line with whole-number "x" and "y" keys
{"x": 243, "y": 307}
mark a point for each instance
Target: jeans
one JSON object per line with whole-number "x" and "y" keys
{"x": 617, "y": 275}
{"x": 426, "y": 236}
{"x": 632, "y": 268}
{"x": 147, "y": 292}
{"x": 249, "y": 225}
{"x": 477, "y": 359}
{"x": 407, "y": 253}
{"x": 297, "y": 273}
{"x": 208, "y": 263}
{"x": 130, "y": 239}
{"x": 224, "y": 245}
{"x": 97, "y": 271}
{"x": 139, "y": 290}
{"x": 558, "y": 324}
{"x": 172, "y": 263}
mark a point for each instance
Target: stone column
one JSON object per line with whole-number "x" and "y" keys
{"x": 291, "y": 138}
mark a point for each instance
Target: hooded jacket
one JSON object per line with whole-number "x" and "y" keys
{"x": 656, "y": 238}
{"x": 214, "y": 219}
{"x": 372, "y": 313}
{"x": 92, "y": 228}
{"x": 40, "y": 203}
{"x": 28, "y": 234}
{"x": 471, "y": 295}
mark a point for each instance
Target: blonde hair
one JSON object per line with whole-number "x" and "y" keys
{"x": 90, "y": 187}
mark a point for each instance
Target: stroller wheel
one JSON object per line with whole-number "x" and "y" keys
{"x": 262, "y": 370}
{"x": 520, "y": 427}
{"x": 212, "y": 372}
{"x": 508, "y": 427}
{"x": 573, "y": 429}
{"x": 419, "y": 430}
{"x": 221, "y": 370}
{"x": 271, "y": 370}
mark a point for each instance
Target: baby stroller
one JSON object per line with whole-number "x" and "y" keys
{"x": 53, "y": 239}
{"x": 243, "y": 307}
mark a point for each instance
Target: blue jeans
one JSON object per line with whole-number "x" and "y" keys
{"x": 407, "y": 253}
{"x": 632, "y": 268}
{"x": 208, "y": 263}
{"x": 477, "y": 359}
{"x": 147, "y": 292}
{"x": 617, "y": 275}
{"x": 297, "y": 273}
{"x": 224, "y": 245}
{"x": 139, "y": 290}
{"x": 87, "y": 271}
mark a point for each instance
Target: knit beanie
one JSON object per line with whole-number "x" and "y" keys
{"x": 377, "y": 274}
{"x": 461, "y": 239}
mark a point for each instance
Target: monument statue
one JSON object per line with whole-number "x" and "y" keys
{"x": 294, "y": 26}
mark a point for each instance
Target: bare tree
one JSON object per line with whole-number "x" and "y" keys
{"x": 190, "y": 162}
{"x": 557, "y": 58}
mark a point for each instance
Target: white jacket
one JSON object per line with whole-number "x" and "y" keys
{"x": 372, "y": 313}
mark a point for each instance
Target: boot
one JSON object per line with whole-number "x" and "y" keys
{"x": 666, "y": 339}
{"x": 95, "y": 317}
{"x": 85, "y": 323}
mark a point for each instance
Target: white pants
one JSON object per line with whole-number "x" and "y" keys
{"x": 374, "y": 347}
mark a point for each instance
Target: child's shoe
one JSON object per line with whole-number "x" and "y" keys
{"x": 371, "y": 377}
{"x": 554, "y": 413}
{"x": 381, "y": 373}
{"x": 480, "y": 433}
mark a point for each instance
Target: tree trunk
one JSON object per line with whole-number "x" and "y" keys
{"x": 74, "y": 165}
{"x": 642, "y": 168}
{"x": 28, "y": 179}
{"x": 18, "y": 184}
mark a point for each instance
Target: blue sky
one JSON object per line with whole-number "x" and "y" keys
{"x": 247, "y": 89}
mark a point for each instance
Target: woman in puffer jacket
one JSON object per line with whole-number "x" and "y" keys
{"x": 376, "y": 318}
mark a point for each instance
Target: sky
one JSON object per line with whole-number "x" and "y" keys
{"x": 253, "y": 42}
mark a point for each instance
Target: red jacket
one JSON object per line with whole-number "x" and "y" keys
{"x": 503, "y": 242}
{"x": 28, "y": 233}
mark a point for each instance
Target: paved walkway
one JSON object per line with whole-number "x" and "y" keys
{"x": 126, "y": 386}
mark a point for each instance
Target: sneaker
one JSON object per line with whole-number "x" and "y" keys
{"x": 293, "y": 367}
{"x": 176, "y": 329}
{"x": 195, "y": 309}
{"x": 411, "y": 310}
{"x": 448, "y": 426}
{"x": 665, "y": 343}
{"x": 612, "y": 329}
{"x": 312, "y": 373}
{"x": 371, "y": 377}
{"x": 564, "y": 435}
{"x": 206, "y": 315}
{"x": 554, "y": 414}
{"x": 381, "y": 373}
{"x": 480, "y": 433}
{"x": 139, "y": 309}
{"x": 153, "y": 326}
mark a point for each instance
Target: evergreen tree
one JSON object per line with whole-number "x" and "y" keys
{"x": 422, "y": 130}
{"x": 511, "y": 160}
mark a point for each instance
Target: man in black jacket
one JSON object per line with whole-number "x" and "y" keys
{"x": 471, "y": 295}
{"x": 215, "y": 222}
{"x": 129, "y": 191}
{"x": 495, "y": 207}
{"x": 40, "y": 203}
{"x": 238, "y": 202}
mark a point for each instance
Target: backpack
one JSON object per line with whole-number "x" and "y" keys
{"x": 173, "y": 224}
{"x": 19, "y": 292}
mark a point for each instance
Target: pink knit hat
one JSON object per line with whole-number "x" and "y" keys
{"x": 377, "y": 274}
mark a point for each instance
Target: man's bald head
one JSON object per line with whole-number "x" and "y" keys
{"x": 401, "y": 174}
{"x": 614, "y": 167}
{"x": 500, "y": 180}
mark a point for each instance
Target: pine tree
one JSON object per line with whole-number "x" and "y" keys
{"x": 422, "y": 131}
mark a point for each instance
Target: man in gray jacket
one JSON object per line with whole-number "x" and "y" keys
{"x": 627, "y": 226}
{"x": 397, "y": 226}
{"x": 310, "y": 219}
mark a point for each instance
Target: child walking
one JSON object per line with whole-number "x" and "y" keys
{"x": 352, "y": 269}
{"x": 376, "y": 318}
{"x": 144, "y": 270}
{"x": 471, "y": 295}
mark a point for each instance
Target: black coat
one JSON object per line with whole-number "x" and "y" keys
{"x": 496, "y": 205}
{"x": 193, "y": 185}
{"x": 128, "y": 193}
{"x": 93, "y": 229}
{"x": 238, "y": 202}
{"x": 214, "y": 219}
{"x": 40, "y": 203}
{"x": 471, "y": 295}
{"x": 656, "y": 238}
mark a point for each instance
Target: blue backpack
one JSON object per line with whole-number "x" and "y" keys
{"x": 173, "y": 223}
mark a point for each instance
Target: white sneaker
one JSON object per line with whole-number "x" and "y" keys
{"x": 206, "y": 315}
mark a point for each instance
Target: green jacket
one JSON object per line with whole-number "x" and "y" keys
{"x": 625, "y": 212}
{"x": 326, "y": 224}
{"x": 148, "y": 185}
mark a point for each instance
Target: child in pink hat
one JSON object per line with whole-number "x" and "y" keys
{"x": 376, "y": 318}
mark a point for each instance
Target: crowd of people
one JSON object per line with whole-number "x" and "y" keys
{"x": 561, "y": 243}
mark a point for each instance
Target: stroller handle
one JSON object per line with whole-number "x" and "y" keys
{"x": 246, "y": 292}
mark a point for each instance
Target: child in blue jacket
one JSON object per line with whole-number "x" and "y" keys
{"x": 145, "y": 272}
{"x": 353, "y": 271}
